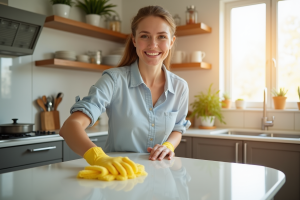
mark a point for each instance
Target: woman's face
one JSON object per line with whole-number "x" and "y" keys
{"x": 153, "y": 41}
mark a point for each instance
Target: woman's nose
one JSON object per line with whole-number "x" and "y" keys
{"x": 152, "y": 42}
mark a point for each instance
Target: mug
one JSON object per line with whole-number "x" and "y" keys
{"x": 197, "y": 56}
{"x": 178, "y": 57}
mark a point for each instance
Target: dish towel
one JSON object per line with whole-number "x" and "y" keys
{"x": 101, "y": 173}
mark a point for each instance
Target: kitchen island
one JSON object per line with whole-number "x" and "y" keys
{"x": 180, "y": 178}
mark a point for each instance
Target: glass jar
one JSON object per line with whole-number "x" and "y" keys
{"x": 191, "y": 15}
{"x": 96, "y": 57}
{"x": 115, "y": 23}
{"x": 177, "y": 20}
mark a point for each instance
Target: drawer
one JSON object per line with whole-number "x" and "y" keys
{"x": 29, "y": 154}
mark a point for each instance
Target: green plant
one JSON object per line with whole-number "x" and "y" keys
{"x": 226, "y": 96}
{"x": 67, "y": 2}
{"x": 240, "y": 100}
{"x": 99, "y": 7}
{"x": 282, "y": 92}
{"x": 299, "y": 92}
{"x": 208, "y": 104}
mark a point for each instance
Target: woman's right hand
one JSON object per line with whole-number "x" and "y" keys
{"x": 118, "y": 165}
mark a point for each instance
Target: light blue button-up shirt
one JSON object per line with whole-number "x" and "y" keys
{"x": 134, "y": 124}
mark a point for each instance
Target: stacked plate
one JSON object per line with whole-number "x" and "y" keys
{"x": 83, "y": 58}
{"x": 67, "y": 55}
{"x": 112, "y": 60}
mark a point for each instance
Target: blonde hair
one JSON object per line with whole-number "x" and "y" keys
{"x": 130, "y": 54}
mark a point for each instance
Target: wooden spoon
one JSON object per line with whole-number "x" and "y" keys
{"x": 41, "y": 104}
{"x": 44, "y": 99}
{"x": 57, "y": 102}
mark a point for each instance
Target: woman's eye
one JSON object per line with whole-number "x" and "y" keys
{"x": 162, "y": 37}
{"x": 144, "y": 36}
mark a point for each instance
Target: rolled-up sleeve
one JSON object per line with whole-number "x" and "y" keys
{"x": 99, "y": 97}
{"x": 182, "y": 124}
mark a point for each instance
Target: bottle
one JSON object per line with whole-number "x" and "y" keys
{"x": 177, "y": 20}
{"x": 191, "y": 15}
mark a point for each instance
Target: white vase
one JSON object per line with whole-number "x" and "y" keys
{"x": 207, "y": 121}
{"x": 93, "y": 19}
{"x": 61, "y": 10}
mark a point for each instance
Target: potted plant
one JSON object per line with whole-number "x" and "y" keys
{"x": 299, "y": 98}
{"x": 279, "y": 98}
{"x": 62, "y": 7}
{"x": 207, "y": 107}
{"x": 240, "y": 104}
{"x": 94, "y": 9}
{"x": 226, "y": 100}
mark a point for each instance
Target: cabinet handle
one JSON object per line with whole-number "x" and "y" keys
{"x": 94, "y": 139}
{"x": 245, "y": 153}
{"x": 183, "y": 140}
{"x": 236, "y": 152}
{"x": 42, "y": 149}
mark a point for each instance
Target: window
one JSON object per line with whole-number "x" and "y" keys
{"x": 262, "y": 49}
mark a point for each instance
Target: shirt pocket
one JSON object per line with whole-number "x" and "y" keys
{"x": 170, "y": 120}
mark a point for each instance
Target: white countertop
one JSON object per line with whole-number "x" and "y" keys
{"x": 192, "y": 132}
{"x": 180, "y": 178}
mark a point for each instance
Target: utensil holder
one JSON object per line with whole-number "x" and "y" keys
{"x": 50, "y": 120}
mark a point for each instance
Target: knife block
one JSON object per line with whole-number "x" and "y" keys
{"x": 50, "y": 120}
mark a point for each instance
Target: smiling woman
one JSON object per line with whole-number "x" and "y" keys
{"x": 146, "y": 104}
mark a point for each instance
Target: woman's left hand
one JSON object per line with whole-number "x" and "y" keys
{"x": 160, "y": 152}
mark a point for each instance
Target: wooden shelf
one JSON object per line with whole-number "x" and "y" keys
{"x": 192, "y": 29}
{"x": 190, "y": 66}
{"x": 69, "y": 25}
{"x": 68, "y": 64}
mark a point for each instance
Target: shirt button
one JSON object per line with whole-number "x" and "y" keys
{"x": 152, "y": 124}
{"x": 151, "y": 139}
{"x": 150, "y": 109}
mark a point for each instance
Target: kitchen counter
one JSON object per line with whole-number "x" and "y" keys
{"x": 180, "y": 178}
{"x": 192, "y": 132}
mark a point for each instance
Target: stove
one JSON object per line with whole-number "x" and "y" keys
{"x": 32, "y": 134}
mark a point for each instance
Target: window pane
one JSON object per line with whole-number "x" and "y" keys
{"x": 248, "y": 51}
{"x": 289, "y": 47}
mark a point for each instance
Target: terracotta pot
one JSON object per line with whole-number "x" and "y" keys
{"x": 279, "y": 102}
{"x": 298, "y": 105}
{"x": 226, "y": 103}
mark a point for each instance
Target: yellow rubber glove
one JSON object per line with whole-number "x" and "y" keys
{"x": 169, "y": 146}
{"x": 101, "y": 173}
{"x": 115, "y": 165}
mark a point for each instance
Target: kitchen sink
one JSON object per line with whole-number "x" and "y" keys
{"x": 262, "y": 134}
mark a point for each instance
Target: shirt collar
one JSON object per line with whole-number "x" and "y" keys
{"x": 136, "y": 78}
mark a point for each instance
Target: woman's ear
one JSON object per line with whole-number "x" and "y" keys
{"x": 172, "y": 41}
{"x": 133, "y": 40}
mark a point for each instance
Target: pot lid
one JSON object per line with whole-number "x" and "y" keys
{"x": 17, "y": 124}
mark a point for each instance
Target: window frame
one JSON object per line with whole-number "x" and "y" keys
{"x": 271, "y": 71}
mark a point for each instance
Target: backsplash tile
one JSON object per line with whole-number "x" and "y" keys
{"x": 283, "y": 121}
{"x": 253, "y": 119}
{"x": 297, "y": 121}
{"x": 234, "y": 119}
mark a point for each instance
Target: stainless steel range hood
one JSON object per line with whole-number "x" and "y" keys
{"x": 19, "y": 31}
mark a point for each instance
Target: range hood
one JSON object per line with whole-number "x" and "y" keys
{"x": 19, "y": 31}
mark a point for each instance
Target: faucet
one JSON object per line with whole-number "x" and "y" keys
{"x": 264, "y": 121}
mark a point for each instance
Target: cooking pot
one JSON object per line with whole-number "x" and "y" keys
{"x": 16, "y": 128}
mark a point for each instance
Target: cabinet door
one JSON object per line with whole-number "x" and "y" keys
{"x": 184, "y": 149}
{"x": 68, "y": 154}
{"x": 284, "y": 157}
{"x": 217, "y": 149}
